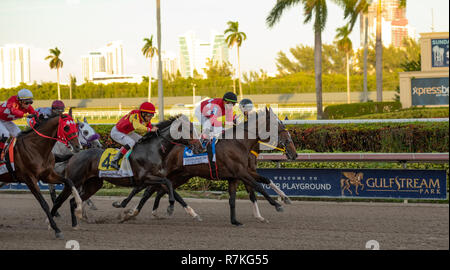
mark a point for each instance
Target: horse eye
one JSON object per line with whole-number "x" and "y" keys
{"x": 85, "y": 133}
{"x": 66, "y": 128}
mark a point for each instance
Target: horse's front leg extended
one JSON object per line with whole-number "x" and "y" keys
{"x": 133, "y": 193}
{"x": 248, "y": 179}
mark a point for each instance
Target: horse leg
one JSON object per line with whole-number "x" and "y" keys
{"x": 133, "y": 193}
{"x": 258, "y": 188}
{"x": 264, "y": 180}
{"x": 60, "y": 200}
{"x": 89, "y": 188}
{"x": 232, "y": 186}
{"x": 186, "y": 207}
{"x": 137, "y": 209}
{"x": 51, "y": 189}
{"x": 34, "y": 188}
{"x": 254, "y": 201}
{"x": 168, "y": 184}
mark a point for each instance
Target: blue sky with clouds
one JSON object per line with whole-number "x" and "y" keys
{"x": 80, "y": 26}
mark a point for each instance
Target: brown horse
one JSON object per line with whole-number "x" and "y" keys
{"x": 147, "y": 160}
{"x": 33, "y": 160}
{"x": 235, "y": 162}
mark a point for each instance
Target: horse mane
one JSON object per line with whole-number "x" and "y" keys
{"x": 161, "y": 125}
{"x": 39, "y": 123}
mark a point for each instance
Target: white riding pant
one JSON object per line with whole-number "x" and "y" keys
{"x": 8, "y": 129}
{"x": 207, "y": 128}
{"x": 129, "y": 139}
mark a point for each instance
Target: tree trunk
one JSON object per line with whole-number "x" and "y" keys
{"x": 150, "y": 81}
{"x": 379, "y": 55}
{"x": 239, "y": 73}
{"x": 366, "y": 26}
{"x": 318, "y": 71}
{"x": 160, "y": 80}
{"x": 348, "y": 81}
{"x": 59, "y": 92}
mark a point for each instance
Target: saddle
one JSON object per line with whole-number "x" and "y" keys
{"x": 207, "y": 157}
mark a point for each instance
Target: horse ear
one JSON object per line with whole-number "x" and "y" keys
{"x": 84, "y": 119}
{"x": 70, "y": 111}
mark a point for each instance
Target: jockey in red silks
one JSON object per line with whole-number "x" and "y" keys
{"x": 210, "y": 111}
{"x": 14, "y": 108}
{"x": 131, "y": 128}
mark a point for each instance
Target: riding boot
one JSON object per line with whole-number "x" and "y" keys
{"x": 115, "y": 162}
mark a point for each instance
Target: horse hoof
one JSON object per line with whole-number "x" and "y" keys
{"x": 279, "y": 208}
{"x": 287, "y": 200}
{"x": 237, "y": 223}
{"x": 262, "y": 220}
{"x": 76, "y": 228}
{"x": 198, "y": 218}
{"x": 116, "y": 205}
{"x": 79, "y": 213}
{"x": 59, "y": 235}
{"x": 169, "y": 210}
{"x": 93, "y": 207}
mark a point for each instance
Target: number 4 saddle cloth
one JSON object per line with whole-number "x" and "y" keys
{"x": 105, "y": 169}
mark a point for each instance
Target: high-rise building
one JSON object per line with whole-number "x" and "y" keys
{"x": 394, "y": 23}
{"x": 14, "y": 65}
{"x": 107, "y": 60}
{"x": 194, "y": 53}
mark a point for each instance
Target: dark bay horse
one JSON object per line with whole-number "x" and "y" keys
{"x": 147, "y": 160}
{"x": 235, "y": 162}
{"x": 33, "y": 160}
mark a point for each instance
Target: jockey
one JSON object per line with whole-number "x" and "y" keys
{"x": 12, "y": 109}
{"x": 131, "y": 128}
{"x": 209, "y": 111}
{"x": 245, "y": 106}
{"x": 57, "y": 108}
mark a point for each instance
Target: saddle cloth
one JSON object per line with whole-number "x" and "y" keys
{"x": 8, "y": 155}
{"x": 105, "y": 169}
{"x": 189, "y": 158}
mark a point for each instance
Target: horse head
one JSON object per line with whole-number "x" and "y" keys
{"x": 284, "y": 137}
{"x": 87, "y": 135}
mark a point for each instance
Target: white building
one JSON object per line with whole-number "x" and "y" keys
{"x": 14, "y": 65}
{"x": 108, "y": 60}
{"x": 193, "y": 53}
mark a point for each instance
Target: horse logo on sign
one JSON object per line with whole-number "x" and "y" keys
{"x": 352, "y": 179}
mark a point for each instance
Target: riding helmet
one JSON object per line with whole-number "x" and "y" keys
{"x": 147, "y": 107}
{"x": 24, "y": 94}
{"x": 58, "y": 104}
{"x": 230, "y": 97}
{"x": 246, "y": 105}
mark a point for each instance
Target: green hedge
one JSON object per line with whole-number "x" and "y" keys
{"x": 408, "y": 137}
{"x": 356, "y": 109}
{"x": 408, "y": 114}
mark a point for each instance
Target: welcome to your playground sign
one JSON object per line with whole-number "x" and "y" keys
{"x": 359, "y": 183}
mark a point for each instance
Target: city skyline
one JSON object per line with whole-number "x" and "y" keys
{"x": 79, "y": 26}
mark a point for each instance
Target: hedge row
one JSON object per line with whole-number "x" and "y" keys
{"x": 356, "y": 109}
{"x": 417, "y": 137}
{"x": 378, "y": 137}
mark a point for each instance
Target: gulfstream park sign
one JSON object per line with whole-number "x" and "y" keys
{"x": 359, "y": 183}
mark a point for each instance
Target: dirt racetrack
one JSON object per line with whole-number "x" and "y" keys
{"x": 302, "y": 226}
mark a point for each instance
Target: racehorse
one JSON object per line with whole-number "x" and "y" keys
{"x": 33, "y": 160}
{"x": 147, "y": 160}
{"x": 88, "y": 139}
{"x": 235, "y": 162}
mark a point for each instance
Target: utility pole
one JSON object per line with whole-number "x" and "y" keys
{"x": 160, "y": 80}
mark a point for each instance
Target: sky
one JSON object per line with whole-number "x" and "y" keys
{"x": 77, "y": 27}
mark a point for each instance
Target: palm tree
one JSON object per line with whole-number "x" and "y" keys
{"x": 149, "y": 52}
{"x": 55, "y": 63}
{"x": 345, "y": 44}
{"x": 379, "y": 50}
{"x": 235, "y": 38}
{"x": 160, "y": 77}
